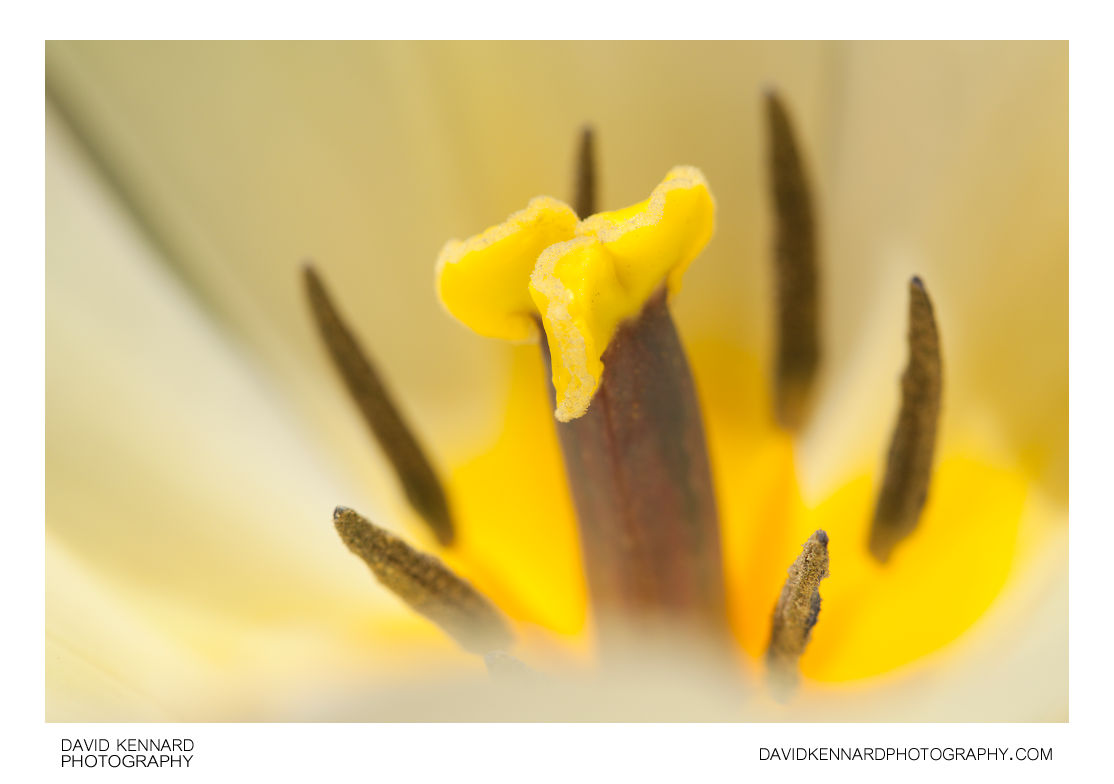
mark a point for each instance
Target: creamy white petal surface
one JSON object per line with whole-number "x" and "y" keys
{"x": 948, "y": 161}
{"x": 192, "y": 568}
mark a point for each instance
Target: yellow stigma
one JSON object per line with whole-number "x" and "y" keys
{"x": 586, "y": 287}
{"x": 587, "y": 277}
{"x": 482, "y": 281}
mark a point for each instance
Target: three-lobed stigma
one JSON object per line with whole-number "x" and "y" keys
{"x": 581, "y": 279}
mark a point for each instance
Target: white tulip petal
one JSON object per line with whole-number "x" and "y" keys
{"x": 177, "y": 478}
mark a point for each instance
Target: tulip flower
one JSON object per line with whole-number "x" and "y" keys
{"x": 199, "y": 437}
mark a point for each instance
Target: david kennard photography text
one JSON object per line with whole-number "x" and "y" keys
{"x": 126, "y": 753}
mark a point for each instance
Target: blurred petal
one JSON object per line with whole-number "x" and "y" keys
{"x": 180, "y": 491}
{"x": 950, "y": 161}
{"x": 245, "y": 157}
{"x": 165, "y": 447}
{"x": 90, "y": 675}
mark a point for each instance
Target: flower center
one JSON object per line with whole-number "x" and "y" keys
{"x": 657, "y": 557}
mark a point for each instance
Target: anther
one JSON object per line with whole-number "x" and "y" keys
{"x": 797, "y": 610}
{"x": 795, "y": 269}
{"x": 426, "y": 584}
{"x": 909, "y": 466}
{"x": 396, "y": 439}
{"x": 584, "y": 182}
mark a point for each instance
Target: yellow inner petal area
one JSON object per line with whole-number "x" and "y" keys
{"x": 518, "y": 532}
{"x": 482, "y": 281}
{"x": 517, "y": 537}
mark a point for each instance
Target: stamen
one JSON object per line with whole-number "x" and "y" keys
{"x": 795, "y": 268}
{"x": 419, "y": 480}
{"x": 797, "y": 610}
{"x": 426, "y": 584}
{"x": 585, "y": 181}
{"x": 638, "y": 469}
{"x": 909, "y": 466}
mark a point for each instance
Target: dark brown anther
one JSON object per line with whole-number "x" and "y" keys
{"x": 795, "y": 269}
{"x": 584, "y": 184}
{"x": 909, "y": 466}
{"x": 796, "y": 612}
{"x": 638, "y": 469}
{"x": 397, "y": 440}
{"x": 426, "y": 584}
